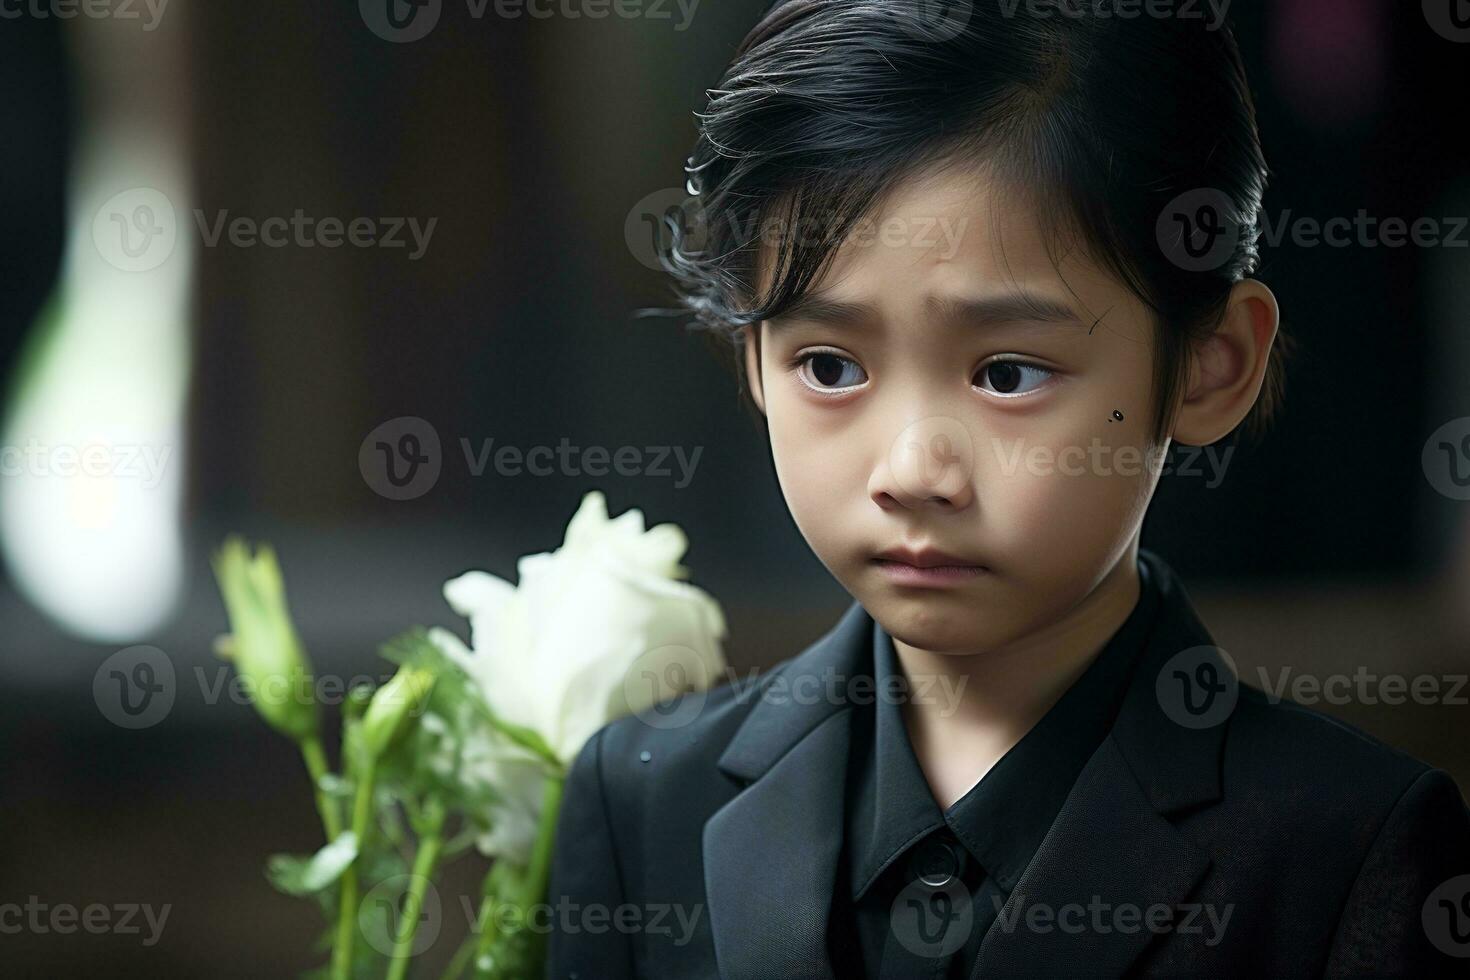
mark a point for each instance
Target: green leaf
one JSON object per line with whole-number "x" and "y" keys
{"x": 304, "y": 876}
{"x": 335, "y": 786}
{"x": 413, "y": 648}
{"x": 525, "y": 738}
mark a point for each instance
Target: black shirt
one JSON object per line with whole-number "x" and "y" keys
{"x": 918, "y": 887}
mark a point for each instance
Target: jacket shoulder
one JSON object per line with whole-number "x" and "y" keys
{"x": 676, "y": 740}
{"x": 1314, "y": 767}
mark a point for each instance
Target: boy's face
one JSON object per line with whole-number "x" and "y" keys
{"x": 900, "y": 425}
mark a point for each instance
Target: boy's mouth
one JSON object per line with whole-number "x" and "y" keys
{"x": 925, "y": 557}
{"x": 926, "y": 566}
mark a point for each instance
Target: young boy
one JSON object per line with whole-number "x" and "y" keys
{"x": 981, "y": 263}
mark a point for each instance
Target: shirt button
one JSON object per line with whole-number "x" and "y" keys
{"x": 937, "y": 861}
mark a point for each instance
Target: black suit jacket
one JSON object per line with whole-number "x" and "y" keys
{"x": 709, "y": 849}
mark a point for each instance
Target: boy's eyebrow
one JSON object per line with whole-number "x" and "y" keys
{"x": 1017, "y": 306}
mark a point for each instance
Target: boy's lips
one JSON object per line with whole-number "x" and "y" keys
{"x": 925, "y": 557}
{"x": 926, "y": 567}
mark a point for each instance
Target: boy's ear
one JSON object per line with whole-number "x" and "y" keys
{"x": 1228, "y": 368}
{"x": 751, "y": 342}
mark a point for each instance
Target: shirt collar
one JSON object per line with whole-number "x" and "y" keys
{"x": 1003, "y": 818}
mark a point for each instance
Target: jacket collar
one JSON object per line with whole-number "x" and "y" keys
{"x": 799, "y": 695}
{"x": 771, "y": 853}
{"x": 1002, "y": 820}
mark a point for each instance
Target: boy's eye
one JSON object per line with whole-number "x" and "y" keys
{"x": 826, "y": 371}
{"x": 1011, "y": 377}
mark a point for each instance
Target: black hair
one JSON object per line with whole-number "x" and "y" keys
{"x": 1133, "y": 137}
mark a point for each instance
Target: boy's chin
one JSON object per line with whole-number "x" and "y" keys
{"x": 943, "y": 624}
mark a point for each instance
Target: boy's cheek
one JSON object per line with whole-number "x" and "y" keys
{"x": 821, "y": 481}
{"x": 1063, "y": 521}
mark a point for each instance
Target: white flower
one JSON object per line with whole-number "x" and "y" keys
{"x": 516, "y": 777}
{"x": 501, "y": 782}
{"x": 600, "y": 628}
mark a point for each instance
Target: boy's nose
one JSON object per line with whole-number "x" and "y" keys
{"x": 930, "y": 464}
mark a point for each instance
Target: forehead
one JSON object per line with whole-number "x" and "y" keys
{"x": 956, "y": 231}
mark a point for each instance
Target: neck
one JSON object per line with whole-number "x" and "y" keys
{"x": 1003, "y": 692}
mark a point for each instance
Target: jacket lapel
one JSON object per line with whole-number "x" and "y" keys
{"x": 1108, "y": 850}
{"x": 771, "y": 853}
{"x": 1112, "y": 846}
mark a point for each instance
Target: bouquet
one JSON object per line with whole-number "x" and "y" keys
{"x": 467, "y": 746}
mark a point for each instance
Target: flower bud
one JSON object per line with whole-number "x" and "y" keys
{"x": 394, "y": 705}
{"x": 262, "y": 643}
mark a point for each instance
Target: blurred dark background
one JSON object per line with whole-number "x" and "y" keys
{"x": 536, "y": 146}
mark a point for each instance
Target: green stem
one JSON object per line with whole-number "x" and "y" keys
{"x": 535, "y": 878}
{"x": 456, "y": 966}
{"x": 493, "y": 888}
{"x": 316, "y": 765}
{"x": 424, "y": 863}
{"x": 539, "y": 870}
{"x": 362, "y": 810}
